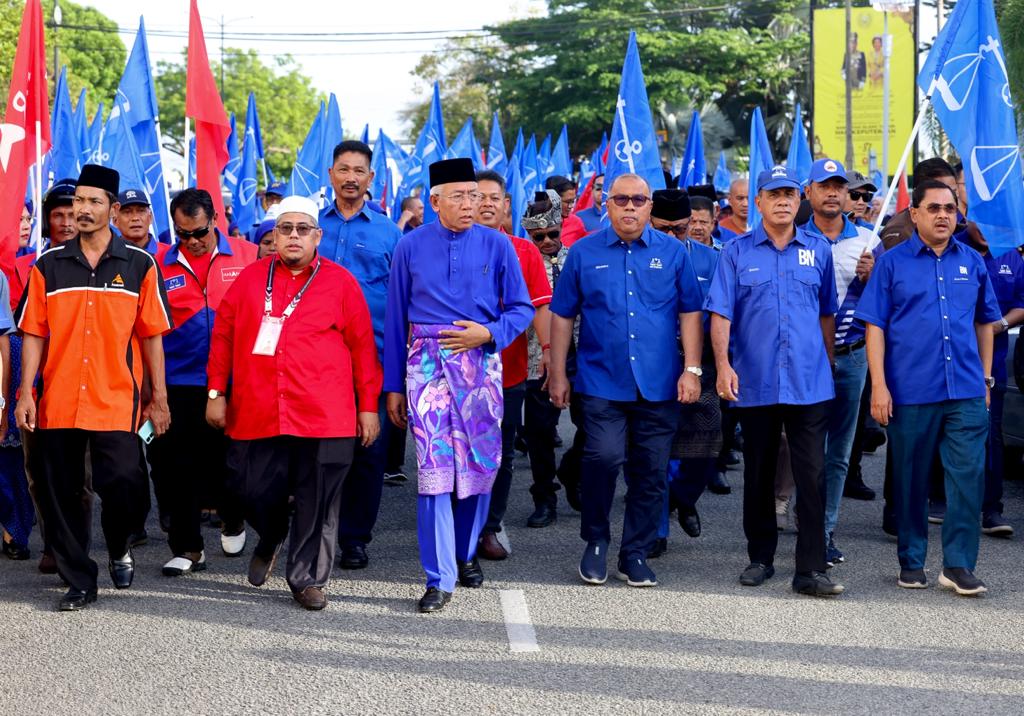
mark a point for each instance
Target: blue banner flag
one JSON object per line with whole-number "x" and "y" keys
{"x": 561, "y": 160}
{"x": 723, "y": 177}
{"x": 799, "y": 157}
{"x": 528, "y": 167}
{"x": 121, "y": 153}
{"x": 634, "y": 146}
{"x": 694, "y": 170}
{"x": 966, "y": 75}
{"x": 383, "y": 186}
{"x": 430, "y": 147}
{"x": 544, "y": 166}
{"x": 230, "y": 172}
{"x": 760, "y": 161}
{"x": 518, "y": 202}
{"x": 252, "y": 126}
{"x": 365, "y": 136}
{"x": 517, "y": 151}
{"x": 598, "y": 158}
{"x": 65, "y": 158}
{"x": 244, "y": 199}
{"x": 465, "y": 146}
{"x": 497, "y": 160}
{"x": 192, "y": 162}
{"x": 305, "y": 179}
{"x": 96, "y": 136}
{"x": 332, "y": 138}
{"x": 82, "y": 129}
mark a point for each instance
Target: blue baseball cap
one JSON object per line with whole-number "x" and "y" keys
{"x": 132, "y": 196}
{"x": 778, "y": 177}
{"x": 826, "y": 168}
{"x": 277, "y": 187}
{"x": 263, "y": 229}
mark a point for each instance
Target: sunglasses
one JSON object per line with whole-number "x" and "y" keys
{"x": 540, "y": 236}
{"x": 861, "y": 195}
{"x": 675, "y": 229}
{"x": 301, "y": 229}
{"x": 637, "y": 199}
{"x": 194, "y": 234}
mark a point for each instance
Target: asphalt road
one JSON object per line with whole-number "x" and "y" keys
{"x": 697, "y": 643}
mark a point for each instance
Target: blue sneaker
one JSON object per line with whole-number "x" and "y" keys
{"x": 832, "y": 554}
{"x": 594, "y": 565}
{"x": 635, "y": 572}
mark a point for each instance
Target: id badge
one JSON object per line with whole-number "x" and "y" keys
{"x": 267, "y": 338}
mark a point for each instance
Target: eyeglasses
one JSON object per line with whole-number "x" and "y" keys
{"x": 194, "y": 234}
{"x": 460, "y": 196}
{"x": 540, "y": 236}
{"x": 637, "y": 199}
{"x": 861, "y": 195}
{"x": 301, "y": 229}
{"x": 940, "y": 208}
{"x": 676, "y": 229}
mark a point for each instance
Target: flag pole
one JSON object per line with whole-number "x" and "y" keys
{"x": 188, "y": 156}
{"x": 37, "y": 192}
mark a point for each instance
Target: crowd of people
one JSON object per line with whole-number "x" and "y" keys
{"x": 269, "y": 383}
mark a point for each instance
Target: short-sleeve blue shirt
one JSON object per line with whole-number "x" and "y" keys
{"x": 775, "y": 301}
{"x": 1007, "y": 275}
{"x": 927, "y": 306}
{"x": 628, "y": 298}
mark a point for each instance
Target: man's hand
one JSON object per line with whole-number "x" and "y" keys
{"x": 545, "y": 364}
{"x": 25, "y": 411}
{"x": 688, "y": 388}
{"x": 157, "y": 411}
{"x": 881, "y": 404}
{"x": 988, "y": 400}
{"x": 865, "y": 266}
{"x": 398, "y": 410}
{"x": 473, "y": 335}
{"x": 217, "y": 412}
{"x": 558, "y": 389}
{"x": 728, "y": 384}
{"x": 368, "y": 427}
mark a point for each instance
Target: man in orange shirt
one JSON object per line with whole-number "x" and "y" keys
{"x": 93, "y": 299}
{"x": 736, "y": 224}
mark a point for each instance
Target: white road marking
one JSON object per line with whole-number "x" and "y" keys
{"x": 521, "y": 635}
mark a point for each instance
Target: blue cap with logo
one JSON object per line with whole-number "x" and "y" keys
{"x": 778, "y": 177}
{"x": 825, "y": 169}
{"x": 132, "y": 196}
{"x": 277, "y": 187}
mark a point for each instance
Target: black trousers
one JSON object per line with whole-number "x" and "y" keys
{"x": 312, "y": 470}
{"x": 570, "y": 469}
{"x": 395, "y": 449}
{"x": 64, "y": 500}
{"x": 361, "y": 493}
{"x": 806, "y": 426}
{"x": 541, "y": 420}
{"x": 511, "y": 419}
{"x": 188, "y": 464}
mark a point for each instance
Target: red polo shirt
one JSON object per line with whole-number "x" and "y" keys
{"x": 515, "y": 358}
{"x": 572, "y": 230}
{"x": 326, "y": 360}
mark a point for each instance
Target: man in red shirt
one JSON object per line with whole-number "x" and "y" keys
{"x": 491, "y": 212}
{"x": 293, "y": 337}
{"x": 572, "y": 225}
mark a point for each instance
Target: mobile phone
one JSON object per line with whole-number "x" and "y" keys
{"x": 147, "y": 432}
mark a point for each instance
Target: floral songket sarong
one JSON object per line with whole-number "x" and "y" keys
{"x": 455, "y": 411}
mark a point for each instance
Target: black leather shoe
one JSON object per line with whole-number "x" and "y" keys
{"x": 353, "y": 557}
{"x": 434, "y": 600}
{"x": 543, "y": 515}
{"x": 122, "y": 572}
{"x": 660, "y": 547}
{"x": 755, "y": 574}
{"x": 76, "y": 600}
{"x": 470, "y": 574}
{"x": 689, "y": 520}
{"x": 261, "y": 566}
{"x": 719, "y": 485}
{"x": 855, "y": 489}
{"x": 816, "y": 584}
{"x": 16, "y": 552}
{"x": 138, "y": 539}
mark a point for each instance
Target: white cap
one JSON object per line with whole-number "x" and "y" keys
{"x": 298, "y": 205}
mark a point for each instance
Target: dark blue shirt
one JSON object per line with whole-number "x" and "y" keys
{"x": 1007, "y": 275}
{"x": 775, "y": 301}
{"x": 927, "y": 306}
{"x": 628, "y": 298}
{"x": 364, "y": 245}
{"x": 591, "y": 218}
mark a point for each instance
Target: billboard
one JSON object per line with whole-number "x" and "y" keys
{"x": 829, "y": 56}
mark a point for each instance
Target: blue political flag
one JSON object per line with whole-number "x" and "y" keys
{"x": 516, "y": 157}
{"x": 465, "y": 145}
{"x": 96, "y": 135}
{"x": 760, "y": 161}
{"x": 305, "y": 179}
{"x": 430, "y": 147}
{"x": 723, "y": 177}
{"x": 65, "y": 158}
{"x": 121, "y": 153}
{"x": 966, "y": 75}
{"x": 518, "y": 201}
{"x": 82, "y": 129}
{"x": 586, "y": 172}
{"x": 244, "y": 199}
{"x": 383, "y": 186}
{"x": 252, "y": 126}
{"x": 528, "y": 169}
{"x": 694, "y": 170}
{"x": 633, "y": 144}
{"x": 561, "y": 160}
{"x": 332, "y": 137}
{"x": 544, "y": 166}
{"x": 365, "y": 136}
{"x": 230, "y": 172}
{"x": 598, "y": 159}
{"x": 497, "y": 160}
{"x": 799, "y": 157}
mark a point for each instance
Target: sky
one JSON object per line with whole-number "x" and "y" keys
{"x": 371, "y": 78}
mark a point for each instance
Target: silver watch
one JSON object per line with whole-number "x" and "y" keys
{"x": 696, "y": 370}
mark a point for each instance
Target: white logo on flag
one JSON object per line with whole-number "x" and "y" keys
{"x": 966, "y": 68}
{"x": 624, "y": 149}
{"x": 806, "y": 257}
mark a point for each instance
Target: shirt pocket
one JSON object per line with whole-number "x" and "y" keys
{"x": 657, "y": 288}
{"x": 808, "y": 286}
{"x": 753, "y": 284}
{"x": 964, "y": 296}
{"x": 369, "y": 266}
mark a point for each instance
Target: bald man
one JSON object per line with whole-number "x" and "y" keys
{"x": 734, "y": 225}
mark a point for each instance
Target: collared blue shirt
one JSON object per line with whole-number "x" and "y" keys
{"x": 365, "y": 245}
{"x": 705, "y": 261}
{"x": 591, "y": 218}
{"x": 628, "y": 298}
{"x": 1007, "y": 275}
{"x": 775, "y": 300}
{"x": 928, "y": 305}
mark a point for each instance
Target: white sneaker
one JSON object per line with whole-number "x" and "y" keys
{"x": 782, "y": 513}
{"x": 233, "y": 545}
{"x": 183, "y": 565}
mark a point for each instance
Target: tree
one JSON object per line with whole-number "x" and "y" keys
{"x": 1011, "y": 27}
{"x": 285, "y": 97}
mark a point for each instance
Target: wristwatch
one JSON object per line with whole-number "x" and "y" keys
{"x": 214, "y": 394}
{"x": 696, "y": 370}
{"x": 3, "y": 402}
{"x": 990, "y": 381}
{"x": 1004, "y": 324}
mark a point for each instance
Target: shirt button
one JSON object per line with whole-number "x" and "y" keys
{"x": 85, "y": 360}
{"x": 87, "y": 332}
{"x": 946, "y": 337}
{"x": 631, "y": 335}
{"x": 630, "y": 293}
{"x": 90, "y": 303}
{"x": 631, "y": 313}
{"x": 943, "y": 298}
{"x": 945, "y": 317}
{"x": 940, "y": 278}
{"x": 948, "y": 358}
{"x": 83, "y": 387}
{"x": 630, "y": 273}
{"x": 631, "y": 358}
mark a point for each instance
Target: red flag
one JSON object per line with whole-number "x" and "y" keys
{"x": 203, "y": 104}
{"x": 586, "y": 199}
{"x": 902, "y": 198}
{"x": 27, "y": 108}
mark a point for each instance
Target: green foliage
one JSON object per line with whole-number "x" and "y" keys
{"x": 286, "y": 98}
{"x": 1011, "y": 27}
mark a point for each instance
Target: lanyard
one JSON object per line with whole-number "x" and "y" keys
{"x": 268, "y": 301}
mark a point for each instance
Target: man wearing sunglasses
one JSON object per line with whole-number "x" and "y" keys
{"x": 635, "y": 292}
{"x": 188, "y": 461}
{"x": 860, "y": 192}
{"x": 930, "y": 309}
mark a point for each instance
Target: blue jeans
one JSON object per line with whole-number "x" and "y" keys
{"x": 851, "y": 373}
{"x": 959, "y": 429}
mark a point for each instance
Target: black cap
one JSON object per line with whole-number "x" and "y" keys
{"x": 670, "y": 205}
{"x": 708, "y": 191}
{"x": 450, "y": 171}
{"x": 60, "y": 194}
{"x": 99, "y": 177}
{"x": 133, "y": 196}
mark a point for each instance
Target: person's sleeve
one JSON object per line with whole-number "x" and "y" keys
{"x": 222, "y": 340}
{"x": 875, "y": 304}
{"x": 828, "y": 297}
{"x": 153, "y": 317}
{"x": 987, "y": 310}
{"x": 357, "y": 331}
{"x": 396, "y": 321}
{"x": 568, "y": 299}
{"x": 1018, "y": 285}
{"x": 572, "y": 231}
{"x": 6, "y": 317}
{"x": 536, "y": 277}
{"x": 32, "y": 316}
{"x": 516, "y": 308}
{"x": 722, "y": 294}
{"x": 690, "y": 298}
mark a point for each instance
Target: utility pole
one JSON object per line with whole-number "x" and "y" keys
{"x": 850, "y": 79}
{"x": 221, "y": 58}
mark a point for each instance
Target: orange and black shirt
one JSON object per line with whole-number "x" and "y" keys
{"x": 93, "y": 318}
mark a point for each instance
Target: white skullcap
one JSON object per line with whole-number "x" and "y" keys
{"x": 298, "y": 205}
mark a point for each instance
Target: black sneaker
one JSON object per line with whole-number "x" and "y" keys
{"x": 395, "y": 478}
{"x": 912, "y": 579}
{"x": 994, "y": 524}
{"x": 755, "y": 574}
{"x": 660, "y": 547}
{"x": 593, "y": 565}
{"x": 832, "y": 554}
{"x": 936, "y": 513}
{"x": 816, "y": 584}
{"x": 962, "y": 580}
{"x": 636, "y": 573}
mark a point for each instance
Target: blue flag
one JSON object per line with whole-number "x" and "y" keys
{"x": 544, "y": 166}
{"x": 561, "y": 160}
{"x": 598, "y": 157}
{"x": 331, "y": 138}
{"x": 723, "y": 177}
{"x": 96, "y": 136}
{"x": 694, "y": 170}
{"x": 252, "y": 126}
{"x": 518, "y": 195}
{"x": 430, "y": 147}
{"x": 497, "y": 160}
{"x": 760, "y": 161}
{"x": 634, "y": 146}
{"x": 244, "y": 196}
{"x": 65, "y": 159}
{"x": 528, "y": 167}
{"x": 517, "y": 151}
{"x": 192, "y": 162}
{"x": 82, "y": 129}
{"x": 465, "y": 146}
{"x": 121, "y": 153}
{"x": 586, "y": 173}
{"x": 966, "y": 75}
{"x": 230, "y": 172}
{"x": 383, "y": 186}
{"x": 305, "y": 179}
{"x": 799, "y": 157}
{"x": 365, "y": 137}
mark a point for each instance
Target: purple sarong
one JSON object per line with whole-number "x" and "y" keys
{"x": 455, "y": 411}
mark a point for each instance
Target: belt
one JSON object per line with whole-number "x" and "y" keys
{"x": 849, "y": 347}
